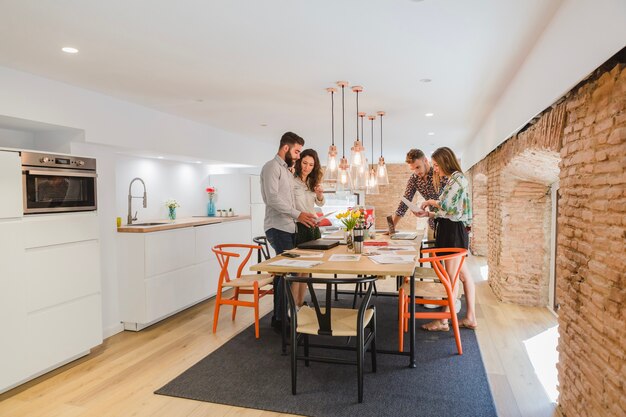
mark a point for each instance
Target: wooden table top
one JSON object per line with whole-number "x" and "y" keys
{"x": 364, "y": 266}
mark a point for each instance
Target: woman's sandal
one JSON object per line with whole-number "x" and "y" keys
{"x": 465, "y": 323}
{"x": 436, "y": 326}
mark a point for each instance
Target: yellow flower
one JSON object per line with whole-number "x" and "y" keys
{"x": 356, "y": 215}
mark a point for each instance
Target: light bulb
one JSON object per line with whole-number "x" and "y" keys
{"x": 332, "y": 164}
{"x": 357, "y": 159}
{"x": 344, "y": 177}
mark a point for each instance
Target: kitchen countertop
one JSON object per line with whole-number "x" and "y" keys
{"x": 177, "y": 224}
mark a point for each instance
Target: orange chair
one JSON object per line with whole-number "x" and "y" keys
{"x": 243, "y": 284}
{"x": 432, "y": 286}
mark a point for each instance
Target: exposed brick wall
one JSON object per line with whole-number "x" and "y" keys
{"x": 478, "y": 237}
{"x": 591, "y": 263}
{"x": 387, "y": 201}
{"x": 514, "y": 222}
{"x": 582, "y": 140}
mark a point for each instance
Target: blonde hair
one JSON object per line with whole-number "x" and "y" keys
{"x": 447, "y": 161}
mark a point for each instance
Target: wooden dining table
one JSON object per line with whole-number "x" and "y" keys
{"x": 364, "y": 266}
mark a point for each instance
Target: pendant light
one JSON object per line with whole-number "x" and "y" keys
{"x": 358, "y": 163}
{"x": 344, "y": 179}
{"x": 372, "y": 180}
{"x": 330, "y": 173}
{"x": 383, "y": 178}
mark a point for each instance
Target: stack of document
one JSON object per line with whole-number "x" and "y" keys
{"x": 393, "y": 259}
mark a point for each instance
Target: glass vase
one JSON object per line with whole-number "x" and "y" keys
{"x": 211, "y": 208}
{"x": 171, "y": 214}
{"x": 349, "y": 241}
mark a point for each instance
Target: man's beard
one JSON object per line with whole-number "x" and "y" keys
{"x": 288, "y": 159}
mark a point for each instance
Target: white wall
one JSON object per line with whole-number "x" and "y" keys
{"x": 587, "y": 33}
{"x": 10, "y": 138}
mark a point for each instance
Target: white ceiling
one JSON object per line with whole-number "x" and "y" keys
{"x": 241, "y": 63}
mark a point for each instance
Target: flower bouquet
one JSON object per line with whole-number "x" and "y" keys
{"x": 211, "y": 206}
{"x": 171, "y": 205}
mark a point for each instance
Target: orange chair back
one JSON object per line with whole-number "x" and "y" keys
{"x": 224, "y": 257}
{"x": 437, "y": 261}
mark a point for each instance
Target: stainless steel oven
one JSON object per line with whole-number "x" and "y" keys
{"x": 58, "y": 183}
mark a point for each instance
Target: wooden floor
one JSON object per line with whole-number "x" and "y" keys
{"x": 118, "y": 378}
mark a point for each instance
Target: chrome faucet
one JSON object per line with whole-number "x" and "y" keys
{"x": 132, "y": 218}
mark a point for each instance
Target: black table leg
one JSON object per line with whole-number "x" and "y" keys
{"x": 283, "y": 330}
{"x": 412, "y": 321}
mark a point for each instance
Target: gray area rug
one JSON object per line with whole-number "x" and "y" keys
{"x": 252, "y": 373}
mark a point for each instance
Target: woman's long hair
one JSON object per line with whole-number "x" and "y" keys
{"x": 315, "y": 176}
{"x": 445, "y": 158}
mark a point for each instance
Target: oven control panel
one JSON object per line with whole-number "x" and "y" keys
{"x": 35, "y": 159}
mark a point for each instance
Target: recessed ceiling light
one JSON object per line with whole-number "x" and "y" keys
{"x": 431, "y": 133}
{"x": 159, "y": 157}
{"x": 69, "y": 50}
{"x": 198, "y": 162}
{"x": 199, "y": 100}
{"x": 425, "y": 80}
{"x": 429, "y": 114}
{"x": 264, "y": 124}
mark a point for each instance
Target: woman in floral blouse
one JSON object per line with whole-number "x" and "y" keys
{"x": 453, "y": 215}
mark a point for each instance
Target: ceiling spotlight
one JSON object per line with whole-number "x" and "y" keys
{"x": 69, "y": 50}
{"x": 159, "y": 157}
{"x": 425, "y": 80}
{"x": 198, "y": 162}
{"x": 264, "y": 124}
{"x": 429, "y": 114}
{"x": 431, "y": 133}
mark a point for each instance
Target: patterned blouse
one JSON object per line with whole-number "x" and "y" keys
{"x": 455, "y": 201}
{"x": 425, "y": 188}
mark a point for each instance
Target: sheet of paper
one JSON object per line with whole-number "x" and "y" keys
{"x": 319, "y": 219}
{"x": 412, "y": 206}
{"x": 337, "y": 257}
{"x": 393, "y": 259}
{"x": 296, "y": 263}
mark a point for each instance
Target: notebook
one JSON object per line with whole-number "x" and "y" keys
{"x": 399, "y": 235}
{"x": 322, "y": 244}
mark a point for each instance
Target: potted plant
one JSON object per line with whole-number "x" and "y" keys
{"x": 171, "y": 206}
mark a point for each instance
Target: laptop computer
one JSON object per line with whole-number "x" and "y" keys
{"x": 322, "y": 244}
{"x": 399, "y": 235}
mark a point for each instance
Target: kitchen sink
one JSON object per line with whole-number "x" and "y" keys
{"x": 145, "y": 224}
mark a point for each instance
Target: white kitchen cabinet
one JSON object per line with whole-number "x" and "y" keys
{"x": 11, "y": 185}
{"x": 164, "y": 272}
{"x": 50, "y": 296}
{"x": 13, "y": 359}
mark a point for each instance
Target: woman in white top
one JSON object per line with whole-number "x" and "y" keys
{"x": 308, "y": 193}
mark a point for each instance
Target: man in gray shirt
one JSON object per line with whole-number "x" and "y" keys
{"x": 280, "y": 209}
